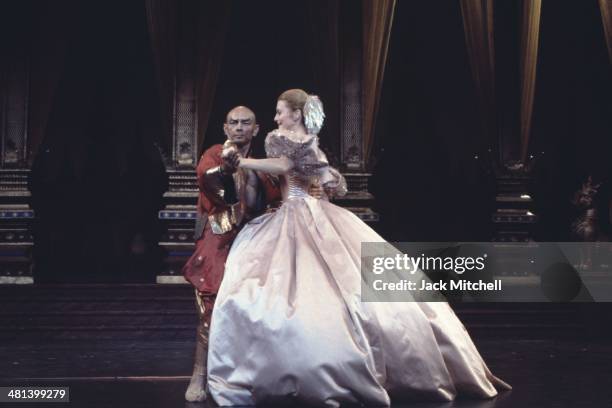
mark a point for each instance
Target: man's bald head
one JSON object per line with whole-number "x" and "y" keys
{"x": 240, "y": 126}
{"x": 240, "y": 112}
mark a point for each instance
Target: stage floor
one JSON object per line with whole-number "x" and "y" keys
{"x": 132, "y": 346}
{"x": 152, "y": 374}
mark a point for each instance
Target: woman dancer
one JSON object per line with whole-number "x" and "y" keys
{"x": 288, "y": 323}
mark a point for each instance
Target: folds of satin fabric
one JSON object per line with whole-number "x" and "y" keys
{"x": 289, "y": 323}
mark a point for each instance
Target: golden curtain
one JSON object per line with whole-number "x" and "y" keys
{"x": 606, "y": 15}
{"x": 530, "y": 33}
{"x": 478, "y": 26}
{"x": 377, "y": 21}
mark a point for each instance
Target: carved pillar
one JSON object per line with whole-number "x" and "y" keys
{"x": 16, "y": 214}
{"x": 15, "y": 111}
{"x": 184, "y": 114}
{"x": 352, "y": 155}
{"x": 351, "y": 116}
{"x": 179, "y": 213}
{"x": 191, "y": 35}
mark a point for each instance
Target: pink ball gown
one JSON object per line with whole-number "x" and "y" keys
{"x": 289, "y": 324}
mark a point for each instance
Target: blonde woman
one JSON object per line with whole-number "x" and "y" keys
{"x": 288, "y": 323}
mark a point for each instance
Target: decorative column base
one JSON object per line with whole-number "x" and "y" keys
{"x": 514, "y": 219}
{"x": 358, "y": 199}
{"x": 16, "y": 217}
{"x": 178, "y": 222}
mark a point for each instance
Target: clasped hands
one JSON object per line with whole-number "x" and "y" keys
{"x": 230, "y": 158}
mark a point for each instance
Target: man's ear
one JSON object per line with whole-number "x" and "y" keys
{"x": 255, "y": 130}
{"x": 225, "y": 130}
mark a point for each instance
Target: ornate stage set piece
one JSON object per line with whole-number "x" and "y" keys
{"x": 187, "y": 42}
{"x": 16, "y": 214}
{"x": 191, "y": 109}
{"x": 514, "y": 217}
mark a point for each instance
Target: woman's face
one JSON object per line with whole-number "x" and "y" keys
{"x": 286, "y": 118}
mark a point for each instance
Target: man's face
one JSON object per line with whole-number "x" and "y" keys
{"x": 240, "y": 126}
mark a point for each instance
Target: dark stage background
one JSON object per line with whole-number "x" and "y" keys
{"x": 428, "y": 185}
{"x": 98, "y": 177}
{"x": 98, "y": 174}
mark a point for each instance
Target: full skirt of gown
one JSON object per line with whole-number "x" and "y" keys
{"x": 289, "y": 325}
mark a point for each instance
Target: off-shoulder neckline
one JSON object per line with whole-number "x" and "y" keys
{"x": 308, "y": 137}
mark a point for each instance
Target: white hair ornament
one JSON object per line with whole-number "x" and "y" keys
{"x": 313, "y": 114}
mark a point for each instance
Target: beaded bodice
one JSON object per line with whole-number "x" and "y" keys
{"x": 295, "y": 186}
{"x": 309, "y": 163}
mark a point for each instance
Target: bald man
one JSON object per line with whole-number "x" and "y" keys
{"x": 223, "y": 208}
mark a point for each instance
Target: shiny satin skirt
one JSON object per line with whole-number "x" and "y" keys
{"x": 288, "y": 324}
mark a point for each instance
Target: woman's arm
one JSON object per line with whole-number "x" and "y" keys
{"x": 281, "y": 165}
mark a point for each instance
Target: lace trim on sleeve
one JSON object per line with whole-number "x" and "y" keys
{"x": 303, "y": 153}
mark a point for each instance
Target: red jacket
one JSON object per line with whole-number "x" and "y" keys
{"x": 206, "y": 266}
